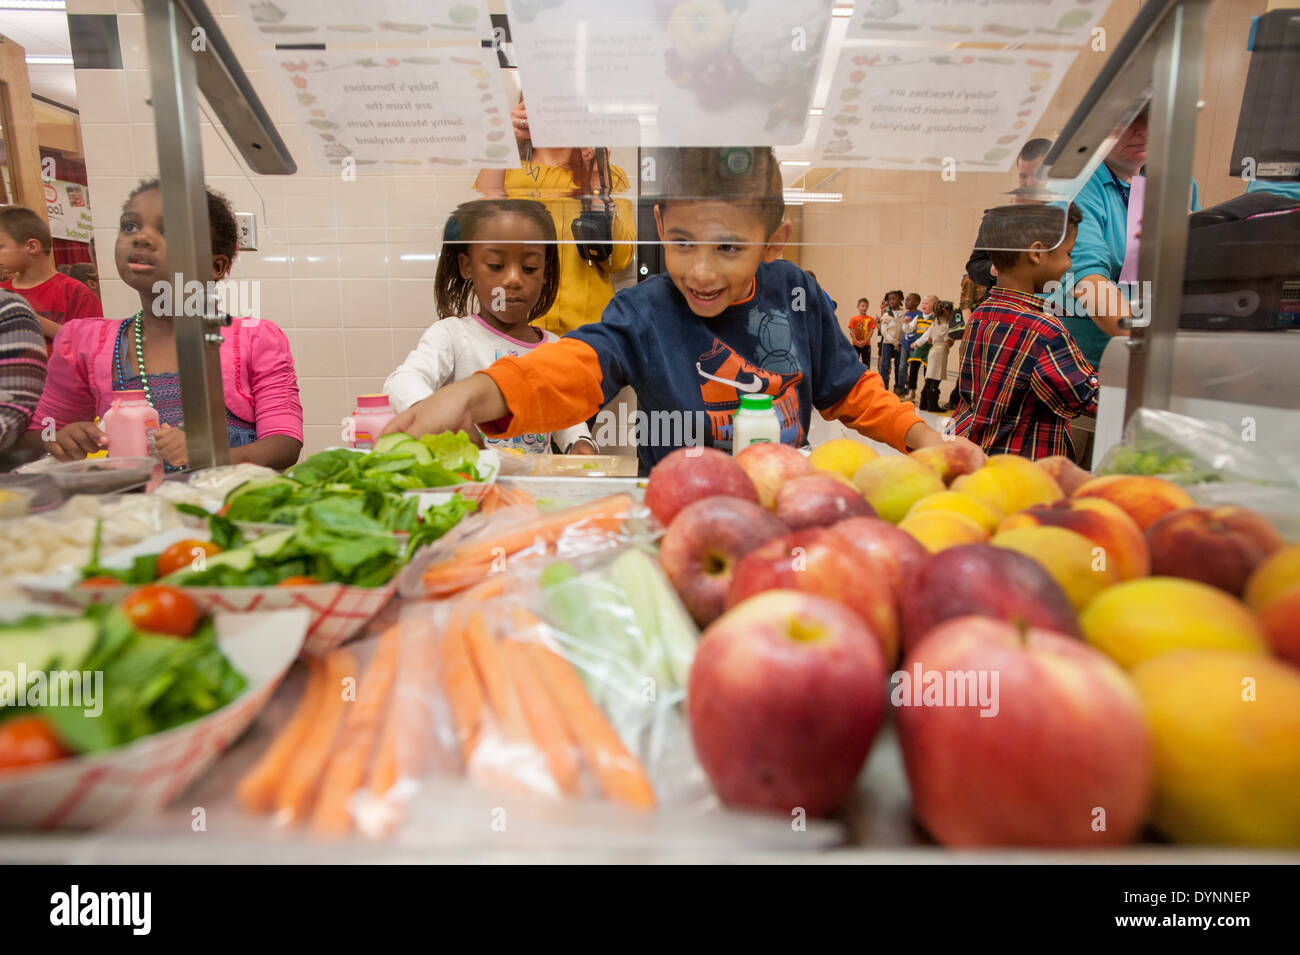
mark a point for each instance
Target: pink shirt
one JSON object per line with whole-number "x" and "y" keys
{"x": 257, "y": 375}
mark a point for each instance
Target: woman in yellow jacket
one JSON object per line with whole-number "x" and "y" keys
{"x": 560, "y": 178}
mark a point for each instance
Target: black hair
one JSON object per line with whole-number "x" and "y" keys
{"x": 943, "y": 307}
{"x": 898, "y": 292}
{"x": 22, "y": 225}
{"x": 83, "y": 271}
{"x": 1009, "y": 230}
{"x": 1034, "y": 149}
{"x": 223, "y": 230}
{"x": 745, "y": 176}
{"x": 466, "y": 225}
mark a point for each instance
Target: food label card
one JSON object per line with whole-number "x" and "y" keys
{"x": 1057, "y": 22}
{"x": 970, "y": 110}
{"x": 662, "y": 73}
{"x": 422, "y": 108}
{"x": 352, "y": 21}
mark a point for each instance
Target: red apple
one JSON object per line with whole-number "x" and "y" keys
{"x": 816, "y": 561}
{"x": 985, "y": 580}
{"x": 771, "y": 465}
{"x": 889, "y": 553}
{"x": 703, "y": 544}
{"x": 819, "y": 500}
{"x": 1054, "y": 747}
{"x": 1219, "y": 546}
{"x": 785, "y": 696}
{"x": 689, "y": 474}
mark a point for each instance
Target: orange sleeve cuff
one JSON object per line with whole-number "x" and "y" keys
{"x": 872, "y": 410}
{"x": 553, "y": 387}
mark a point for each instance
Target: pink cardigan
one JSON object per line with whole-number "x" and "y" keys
{"x": 257, "y": 375}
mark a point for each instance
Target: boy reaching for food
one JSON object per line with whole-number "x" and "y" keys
{"x": 728, "y": 319}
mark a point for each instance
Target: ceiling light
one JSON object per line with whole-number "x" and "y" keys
{"x": 799, "y": 196}
{"x": 841, "y": 12}
{"x": 38, "y": 60}
{"x": 815, "y": 111}
{"x": 17, "y": 5}
{"x": 795, "y": 162}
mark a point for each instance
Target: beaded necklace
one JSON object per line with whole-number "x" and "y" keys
{"x": 138, "y": 320}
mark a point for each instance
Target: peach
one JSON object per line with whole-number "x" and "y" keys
{"x": 1140, "y": 619}
{"x": 1123, "y": 544}
{"x": 1145, "y": 499}
{"x": 892, "y": 484}
{"x": 1066, "y": 473}
{"x": 949, "y": 460}
{"x": 983, "y": 514}
{"x": 984, "y": 486}
{"x": 771, "y": 465}
{"x": 1226, "y": 734}
{"x": 1026, "y": 483}
{"x": 1219, "y": 546}
{"x": 939, "y": 530}
{"x": 1281, "y": 623}
{"x": 842, "y": 456}
{"x": 1274, "y": 577}
{"x": 1074, "y": 561}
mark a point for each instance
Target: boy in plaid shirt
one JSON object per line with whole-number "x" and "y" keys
{"x": 1022, "y": 374}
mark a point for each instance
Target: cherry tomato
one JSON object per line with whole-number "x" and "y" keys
{"x": 28, "y": 741}
{"x": 181, "y": 555}
{"x": 100, "y": 582}
{"x": 298, "y": 581}
{"x": 162, "y": 609}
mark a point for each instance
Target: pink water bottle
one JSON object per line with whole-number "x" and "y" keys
{"x": 371, "y": 414}
{"x": 128, "y": 423}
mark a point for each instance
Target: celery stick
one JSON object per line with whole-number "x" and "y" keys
{"x": 676, "y": 631}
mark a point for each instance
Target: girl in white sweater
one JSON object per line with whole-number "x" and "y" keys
{"x": 498, "y": 271}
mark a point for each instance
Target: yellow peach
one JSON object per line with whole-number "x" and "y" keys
{"x": 983, "y": 514}
{"x": 892, "y": 484}
{"x": 1074, "y": 562}
{"x": 939, "y": 530}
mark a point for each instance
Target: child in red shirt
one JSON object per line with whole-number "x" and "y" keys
{"x": 56, "y": 298}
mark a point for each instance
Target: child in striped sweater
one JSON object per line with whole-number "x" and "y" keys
{"x": 22, "y": 366}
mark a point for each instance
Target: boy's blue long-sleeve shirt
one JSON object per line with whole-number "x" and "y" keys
{"x": 690, "y": 372}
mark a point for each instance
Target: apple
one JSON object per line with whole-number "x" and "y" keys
{"x": 816, "y": 561}
{"x": 987, "y": 581}
{"x": 887, "y": 552}
{"x": 700, "y": 549}
{"x": 1123, "y": 544}
{"x": 1074, "y": 562}
{"x": 785, "y": 697}
{"x": 1065, "y": 472}
{"x": 689, "y": 474}
{"x": 1219, "y": 546}
{"x": 1028, "y": 760}
{"x": 948, "y": 460}
{"x": 819, "y": 500}
{"x": 1142, "y": 497}
{"x": 771, "y": 465}
{"x": 894, "y": 483}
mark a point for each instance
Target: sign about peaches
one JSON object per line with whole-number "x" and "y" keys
{"x": 426, "y": 109}
{"x": 954, "y": 110}
{"x": 1054, "y": 22}
{"x": 352, "y": 21}
{"x": 656, "y": 73}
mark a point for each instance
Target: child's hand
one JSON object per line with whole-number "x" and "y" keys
{"x": 519, "y": 122}
{"x": 170, "y": 443}
{"x": 75, "y": 441}
{"x": 921, "y": 435}
{"x": 456, "y": 407}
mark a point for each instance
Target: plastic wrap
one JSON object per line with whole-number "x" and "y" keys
{"x": 484, "y": 545}
{"x": 1190, "y": 451}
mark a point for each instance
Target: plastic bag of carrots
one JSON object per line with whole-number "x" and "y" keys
{"x": 557, "y": 681}
{"x": 487, "y": 544}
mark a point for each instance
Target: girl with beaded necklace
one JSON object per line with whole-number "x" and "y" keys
{"x": 93, "y": 358}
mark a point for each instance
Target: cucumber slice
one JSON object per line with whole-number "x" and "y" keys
{"x": 389, "y": 442}
{"x": 40, "y": 647}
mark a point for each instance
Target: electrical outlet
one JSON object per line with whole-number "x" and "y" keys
{"x": 247, "y": 231}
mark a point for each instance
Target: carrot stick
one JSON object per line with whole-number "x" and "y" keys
{"x": 314, "y": 749}
{"x": 544, "y": 718}
{"x": 496, "y": 681}
{"x": 357, "y": 741}
{"x": 464, "y": 692}
{"x": 256, "y": 790}
{"x": 621, "y": 777}
{"x": 606, "y": 513}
